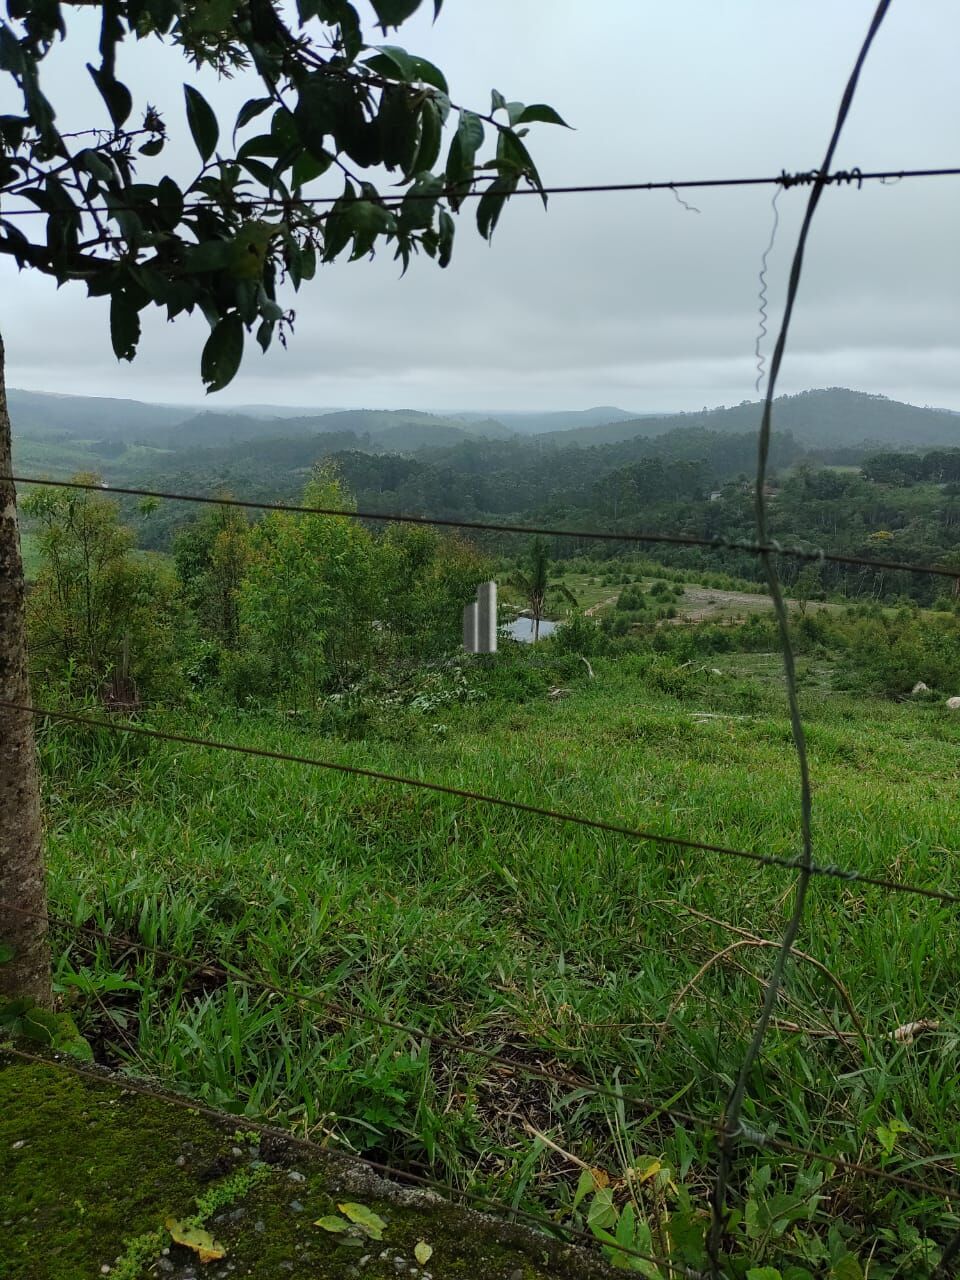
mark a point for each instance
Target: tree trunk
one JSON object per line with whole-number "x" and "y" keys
{"x": 22, "y": 873}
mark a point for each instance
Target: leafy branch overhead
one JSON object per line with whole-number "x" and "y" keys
{"x": 253, "y": 218}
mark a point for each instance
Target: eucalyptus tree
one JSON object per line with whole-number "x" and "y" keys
{"x": 91, "y": 200}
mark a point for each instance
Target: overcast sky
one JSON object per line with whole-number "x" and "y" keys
{"x": 624, "y": 299}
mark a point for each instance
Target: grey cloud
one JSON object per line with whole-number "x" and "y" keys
{"x": 605, "y": 298}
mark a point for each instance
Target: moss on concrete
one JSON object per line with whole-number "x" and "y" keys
{"x": 89, "y": 1173}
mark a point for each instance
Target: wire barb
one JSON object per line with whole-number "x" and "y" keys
{"x": 273, "y": 203}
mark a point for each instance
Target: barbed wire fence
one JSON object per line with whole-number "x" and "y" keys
{"x": 731, "y": 1132}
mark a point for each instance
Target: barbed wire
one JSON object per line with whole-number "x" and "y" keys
{"x": 783, "y": 180}
{"x": 829, "y": 870}
{"x": 717, "y": 543}
{"x": 732, "y": 1129}
{"x": 649, "y": 1106}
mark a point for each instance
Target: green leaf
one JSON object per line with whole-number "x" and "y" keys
{"x": 512, "y": 150}
{"x": 391, "y": 13}
{"x": 462, "y": 154}
{"x": 423, "y": 1252}
{"x": 6, "y": 953}
{"x": 470, "y": 130}
{"x": 211, "y": 255}
{"x": 491, "y": 203}
{"x": 308, "y": 167}
{"x": 265, "y": 336}
{"x": 602, "y": 1213}
{"x": 12, "y": 56}
{"x": 250, "y": 248}
{"x": 250, "y": 110}
{"x": 222, "y": 353}
{"x": 369, "y": 1222}
{"x": 202, "y": 122}
{"x": 584, "y": 1187}
{"x": 540, "y": 111}
{"x": 431, "y": 130}
{"x": 169, "y": 202}
{"x": 764, "y": 1273}
{"x": 201, "y": 1242}
{"x": 331, "y": 108}
{"x": 846, "y": 1268}
{"x": 397, "y": 126}
{"x": 124, "y": 325}
{"x": 334, "y": 1224}
{"x": 11, "y": 1011}
{"x": 116, "y": 95}
{"x": 447, "y": 229}
{"x": 419, "y": 203}
{"x": 393, "y": 60}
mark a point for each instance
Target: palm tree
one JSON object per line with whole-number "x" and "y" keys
{"x": 533, "y": 581}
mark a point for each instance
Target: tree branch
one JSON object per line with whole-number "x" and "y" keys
{"x": 80, "y": 266}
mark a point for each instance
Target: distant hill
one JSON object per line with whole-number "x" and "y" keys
{"x": 90, "y": 417}
{"x": 833, "y": 418}
{"x": 41, "y": 414}
{"x": 396, "y": 429}
{"x": 533, "y": 423}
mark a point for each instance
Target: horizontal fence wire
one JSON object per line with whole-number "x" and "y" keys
{"x": 730, "y": 1130}
{"x": 184, "y": 1101}
{"x": 840, "y": 177}
{"x": 669, "y": 539}
{"x": 648, "y": 1106}
{"x": 845, "y": 874}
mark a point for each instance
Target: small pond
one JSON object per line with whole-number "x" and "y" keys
{"x": 522, "y": 628}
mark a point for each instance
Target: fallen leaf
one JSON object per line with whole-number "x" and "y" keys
{"x": 332, "y": 1223}
{"x": 601, "y": 1178}
{"x": 646, "y": 1170}
{"x": 201, "y": 1242}
{"x": 368, "y": 1221}
{"x": 909, "y": 1030}
{"x": 423, "y": 1252}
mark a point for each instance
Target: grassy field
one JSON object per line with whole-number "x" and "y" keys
{"x": 31, "y": 554}
{"x": 46, "y": 455}
{"x": 612, "y": 960}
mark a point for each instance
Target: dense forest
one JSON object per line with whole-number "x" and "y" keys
{"x": 900, "y": 504}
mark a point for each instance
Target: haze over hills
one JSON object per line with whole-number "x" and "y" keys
{"x": 533, "y": 423}
{"x": 389, "y": 429}
{"x": 833, "y": 417}
{"x": 828, "y": 418}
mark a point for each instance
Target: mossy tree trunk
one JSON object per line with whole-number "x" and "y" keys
{"x": 22, "y": 872}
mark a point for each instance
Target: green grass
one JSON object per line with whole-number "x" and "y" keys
{"x": 562, "y": 946}
{"x": 31, "y": 554}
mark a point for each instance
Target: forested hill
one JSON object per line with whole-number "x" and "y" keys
{"x": 831, "y": 418}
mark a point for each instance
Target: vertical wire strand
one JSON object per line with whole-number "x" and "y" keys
{"x": 734, "y": 1107}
